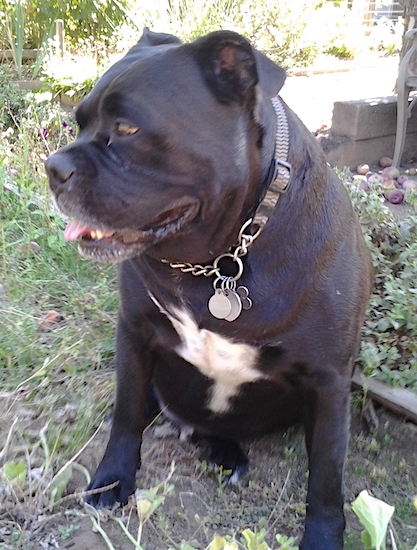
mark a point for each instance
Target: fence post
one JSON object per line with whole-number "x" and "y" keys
{"x": 59, "y": 37}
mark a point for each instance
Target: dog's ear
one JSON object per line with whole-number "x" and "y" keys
{"x": 271, "y": 75}
{"x": 150, "y": 38}
{"x": 232, "y": 68}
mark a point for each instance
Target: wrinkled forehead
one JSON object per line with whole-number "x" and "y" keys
{"x": 167, "y": 83}
{"x": 128, "y": 70}
{"x": 172, "y": 76}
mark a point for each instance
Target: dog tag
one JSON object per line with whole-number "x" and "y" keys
{"x": 219, "y": 304}
{"x": 243, "y": 293}
{"x": 235, "y": 303}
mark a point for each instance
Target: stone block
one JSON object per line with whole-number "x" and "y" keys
{"x": 342, "y": 152}
{"x": 368, "y": 118}
{"x": 363, "y": 131}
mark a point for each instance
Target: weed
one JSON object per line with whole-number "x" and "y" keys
{"x": 12, "y": 101}
{"x": 374, "y": 446}
{"x": 66, "y": 531}
{"x": 14, "y": 27}
{"x": 222, "y": 476}
{"x": 389, "y": 346}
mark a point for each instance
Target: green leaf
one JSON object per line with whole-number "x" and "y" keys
{"x": 374, "y": 515}
{"x": 255, "y": 541}
{"x": 220, "y": 543}
{"x": 59, "y": 484}
{"x": 383, "y": 324}
{"x": 15, "y": 471}
{"x": 286, "y": 543}
{"x": 249, "y": 537}
{"x": 52, "y": 240}
{"x": 366, "y": 540}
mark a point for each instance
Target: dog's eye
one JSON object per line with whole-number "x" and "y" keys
{"x": 123, "y": 129}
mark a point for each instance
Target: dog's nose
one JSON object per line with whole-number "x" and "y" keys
{"x": 60, "y": 169}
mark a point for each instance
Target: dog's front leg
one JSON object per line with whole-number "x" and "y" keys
{"x": 122, "y": 456}
{"x": 327, "y": 435}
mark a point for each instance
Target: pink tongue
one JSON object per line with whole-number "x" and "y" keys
{"x": 75, "y": 229}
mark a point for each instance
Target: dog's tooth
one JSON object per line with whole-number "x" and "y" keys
{"x": 99, "y": 234}
{"x": 93, "y": 234}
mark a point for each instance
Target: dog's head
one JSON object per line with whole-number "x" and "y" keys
{"x": 171, "y": 151}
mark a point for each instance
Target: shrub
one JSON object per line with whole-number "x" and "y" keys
{"x": 291, "y": 33}
{"x": 389, "y": 346}
{"x": 12, "y": 101}
{"x": 82, "y": 18}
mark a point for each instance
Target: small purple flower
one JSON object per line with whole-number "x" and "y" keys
{"x": 68, "y": 128}
{"x": 43, "y": 132}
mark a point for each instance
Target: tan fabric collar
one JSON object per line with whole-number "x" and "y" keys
{"x": 282, "y": 169}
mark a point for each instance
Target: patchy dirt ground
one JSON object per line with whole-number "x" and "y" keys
{"x": 272, "y": 495}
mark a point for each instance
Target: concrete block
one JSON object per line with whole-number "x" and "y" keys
{"x": 342, "y": 151}
{"x": 363, "y": 131}
{"x": 368, "y": 118}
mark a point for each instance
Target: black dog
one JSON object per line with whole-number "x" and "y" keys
{"x": 181, "y": 156}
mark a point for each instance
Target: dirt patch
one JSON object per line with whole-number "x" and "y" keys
{"x": 271, "y": 496}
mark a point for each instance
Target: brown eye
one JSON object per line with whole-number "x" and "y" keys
{"x": 123, "y": 129}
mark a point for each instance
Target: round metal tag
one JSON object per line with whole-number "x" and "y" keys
{"x": 236, "y": 304}
{"x": 219, "y": 304}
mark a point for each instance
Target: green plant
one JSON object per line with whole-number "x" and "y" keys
{"x": 341, "y": 51}
{"x": 14, "y": 28}
{"x": 74, "y": 74}
{"x": 40, "y": 489}
{"x": 254, "y": 541}
{"x": 290, "y": 33}
{"x": 43, "y": 312}
{"x": 67, "y": 531}
{"x": 374, "y": 515}
{"x": 340, "y": 38}
{"x": 14, "y": 36}
{"x": 222, "y": 477}
{"x": 185, "y": 18}
{"x": 83, "y": 18}
{"x": 15, "y": 22}
{"x": 250, "y": 541}
{"x": 286, "y": 543}
{"x": 146, "y": 503}
{"x": 12, "y": 101}
{"x": 389, "y": 348}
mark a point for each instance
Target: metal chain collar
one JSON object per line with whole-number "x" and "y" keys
{"x": 279, "y": 185}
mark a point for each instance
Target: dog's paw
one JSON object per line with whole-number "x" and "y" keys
{"x": 229, "y": 456}
{"x": 120, "y": 487}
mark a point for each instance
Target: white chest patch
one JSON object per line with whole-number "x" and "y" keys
{"x": 227, "y": 363}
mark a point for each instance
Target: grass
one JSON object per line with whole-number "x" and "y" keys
{"x": 57, "y": 321}
{"x": 39, "y": 272}
{"x": 57, "y": 316}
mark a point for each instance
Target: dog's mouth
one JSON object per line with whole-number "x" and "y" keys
{"x": 112, "y": 246}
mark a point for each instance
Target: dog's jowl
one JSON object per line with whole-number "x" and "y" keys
{"x": 243, "y": 274}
